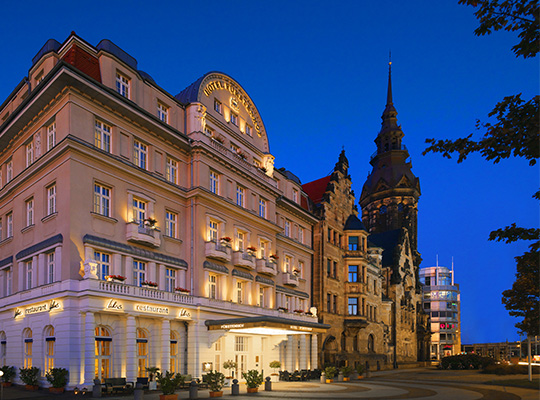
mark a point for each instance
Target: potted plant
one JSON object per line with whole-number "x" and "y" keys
{"x": 149, "y": 284}
{"x": 330, "y": 372}
{"x": 346, "y": 371}
{"x": 360, "y": 369}
{"x": 115, "y": 278}
{"x": 152, "y": 384}
{"x": 58, "y": 378}
{"x": 9, "y": 373}
{"x": 168, "y": 382}
{"x": 251, "y": 250}
{"x": 150, "y": 222}
{"x": 230, "y": 365}
{"x": 275, "y": 376}
{"x": 273, "y": 258}
{"x": 30, "y": 377}
{"x": 253, "y": 379}
{"x": 181, "y": 290}
{"x": 215, "y": 381}
{"x": 226, "y": 241}
{"x": 282, "y": 309}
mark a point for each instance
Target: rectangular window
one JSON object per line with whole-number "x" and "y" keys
{"x": 214, "y": 182}
{"x": 163, "y": 112}
{"x": 335, "y": 269}
{"x": 353, "y": 243}
{"x": 218, "y": 107}
{"x": 213, "y": 231}
{"x": 301, "y": 234}
{"x": 102, "y": 136}
{"x": 51, "y": 199}
{"x": 261, "y": 297}
{"x": 28, "y": 272}
{"x": 263, "y": 246}
{"x": 50, "y": 267}
{"x": 241, "y": 343}
{"x": 29, "y": 154}
{"x": 234, "y": 119}
{"x": 170, "y": 279}
{"x": 212, "y": 286}
{"x": 139, "y": 272}
{"x": 328, "y": 267}
{"x": 249, "y": 130}
{"x": 353, "y": 305}
{"x": 295, "y": 196}
{"x": 51, "y": 136}
{"x": 427, "y": 279}
{"x": 240, "y": 241}
{"x": 208, "y": 131}
{"x": 328, "y": 302}
{"x": 9, "y": 171}
{"x": 287, "y": 264}
{"x": 9, "y": 281}
{"x": 171, "y": 223}
{"x": 353, "y": 273}
{"x": 140, "y": 152}
{"x": 172, "y": 170}
{"x": 102, "y": 200}
{"x": 139, "y": 210}
{"x": 103, "y": 261}
{"x": 301, "y": 269}
{"x": 240, "y": 196}
{"x": 287, "y": 228}
{"x": 335, "y": 304}
{"x": 9, "y": 225}
{"x": 30, "y": 212}
{"x": 240, "y": 292}
{"x": 122, "y": 84}
{"x": 330, "y": 235}
{"x": 262, "y": 208}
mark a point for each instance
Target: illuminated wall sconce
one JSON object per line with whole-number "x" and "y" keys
{"x": 207, "y": 366}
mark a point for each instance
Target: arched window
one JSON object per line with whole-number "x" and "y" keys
{"x": 371, "y": 343}
{"x": 3, "y": 347}
{"x": 103, "y": 352}
{"x": 174, "y": 352}
{"x": 27, "y": 346}
{"x": 142, "y": 352}
{"x": 50, "y": 340}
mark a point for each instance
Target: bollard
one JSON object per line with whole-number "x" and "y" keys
{"x": 96, "y": 390}
{"x": 268, "y": 384}
{"x": 323, "y": 377}
{"x": 139, "y": 392}
{"x": 235, "y": 388}
{"x": 193, "y": 389}
{"x": 340, "y": 377}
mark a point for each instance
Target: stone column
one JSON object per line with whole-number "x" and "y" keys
{"x": 161, "y": 276}
{"x": 58, "y": 263}
{"x": 151, "y": 275}
{"x": 129, "y": 270}
{"x": 314, "y": 352}
{"x": 194, "y": 367}
{"x": 165, "y": 345}
{"x": 303, "y": 352}
{"x": 116, "y": 268}
{"x": 182, "y": 278}
{"x": 89, "y": 349}
{"x": 290, "y": 354}
{"x": 131, "y": 349}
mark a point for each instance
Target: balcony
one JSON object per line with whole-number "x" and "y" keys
{"x": 266, "y": 267}
{"x": 217, "y": 251}
{"x": 355, "y": 254}
{"x": 290, "y": 279}
{"x": 138, "y": 233}
{"x": 243, "y": 259}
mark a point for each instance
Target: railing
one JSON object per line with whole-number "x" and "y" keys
{"x": 247, "y": 257}
{"x": 222, "y": 248}
{"x": 145, "y": 230}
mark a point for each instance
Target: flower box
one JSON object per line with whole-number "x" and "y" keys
{"x": 149, "y": 284}
{"x": 181, "y": 290}
{"x": 115, "y": 278}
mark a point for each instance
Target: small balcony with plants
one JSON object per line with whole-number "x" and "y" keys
{"x": 144, "y": 232}
{"x": 244, "y": 259}
{"x": 266, "y": 267}
{"x": 290, "y": 279}
{"x": 220, "y": 250}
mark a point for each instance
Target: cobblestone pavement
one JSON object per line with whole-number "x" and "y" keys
{"x": 421, "y": 383}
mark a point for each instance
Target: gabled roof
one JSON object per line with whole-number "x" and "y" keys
{"x": 316, "y": 189}
{"x": 353, "y": 223}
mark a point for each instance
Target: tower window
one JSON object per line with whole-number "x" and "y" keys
{"x": 383, "y": 210}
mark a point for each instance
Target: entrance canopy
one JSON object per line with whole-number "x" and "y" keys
{"x": 266, "y": 325}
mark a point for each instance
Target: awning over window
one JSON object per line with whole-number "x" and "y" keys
{"x": 266, "y": 325}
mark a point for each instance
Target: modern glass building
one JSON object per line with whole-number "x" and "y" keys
{"x": 441, "y": 300}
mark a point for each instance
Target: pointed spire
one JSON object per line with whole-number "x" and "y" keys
{"x": 389, "y": 95}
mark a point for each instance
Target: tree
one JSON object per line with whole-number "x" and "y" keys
{"x": 515, "y": 132}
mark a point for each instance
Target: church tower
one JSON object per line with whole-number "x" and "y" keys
{"x": 390, "y": 194}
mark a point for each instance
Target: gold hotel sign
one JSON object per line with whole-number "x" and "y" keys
{"x": 115, "y": 305}
{"x": 268, "y": 324}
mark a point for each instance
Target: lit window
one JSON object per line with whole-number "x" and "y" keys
{"x": 234, "y": 119}
{"x": 9, "y": 281}
{"x": 172, "y": 170}
{"x": 28, "y": 342}
{"x": 212, "y": 286}
{"x": 234, "y": 148}
{"x": 122, "y": 85}
{"x": 139, "y": 210}
{"x": 218, "y": 106}
{"x": 171, "y": 222}
{"x": 51, "y": 199}
{"x": 301, "y": 269}
{"x": 249, "y": 130}
{"x": 102, "y": 200}
{"x": 142, "y": 352}
{"x": 170, "y": 279}
{"x": 263, "y": 246}
{"x": 261, "y": 296}
{"x": 353, "y": 273}
{"x": 287, "y": 264}
{"x": 262, "y": 208}
{"x": 103, "y": 353}
{"x": 214, "y": 182}
{"x": 30, "y": 212}
{"x": 140, "y": 152}
{"x": 241, "y": 343}
{"x": 301, "y": 234}
{"x": 240, "y": 241}
{"x": 353, "y": 243}
{"x": 353, "y": 305}
{"x": 173, "y": 352}
{"x": 208, "y": 131}
{"x": 102, "y": 136}
{"x": 287, "y": 228}
{"x": 103, "y": 261}
{"x": 28, "y": 274}
{"x": 240, "y": 196}
{"x": 29, "y": 154}
{"x": 239, "y": 292}
{"x": 49, "y": 347}
{"x": 163, "y": 112}
{"x": 9, "y": 171}
{"x": 9, "y": 225}
{"x": 51, "y": 136}
{"x": 139, "y": 272}
{"x": 50, "y": 267}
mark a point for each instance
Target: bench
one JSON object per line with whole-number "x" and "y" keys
{"x": 115, "y": 385}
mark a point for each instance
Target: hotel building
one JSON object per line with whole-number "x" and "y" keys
{"x": 142, "y": 229}
{"x": 441, "y": 300}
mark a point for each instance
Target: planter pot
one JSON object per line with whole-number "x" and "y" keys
{"x": 6, "y": 384}
{"x": 346, "y": 379}
{"x": 216, "y": 394}
{"x": 329, "y": 381}
{"x": 252, "y": 390}
{"x": 31, "y": 387}
{"x": 274, "y": 378}
{"x": 56, "y": 390}
{"x": 168, "y": 397}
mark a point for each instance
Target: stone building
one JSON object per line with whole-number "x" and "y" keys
{"x": 139, "y": 228}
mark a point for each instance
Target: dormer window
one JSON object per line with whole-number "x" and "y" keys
{"x": 163, "y": 112}
{"x": 122, "y": 84}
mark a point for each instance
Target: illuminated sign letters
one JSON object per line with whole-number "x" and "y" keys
{"x": 114, "y": 305}
{"x": 151, "y": 309}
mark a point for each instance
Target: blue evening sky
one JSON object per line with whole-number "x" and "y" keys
{"x": 317, "y": 72}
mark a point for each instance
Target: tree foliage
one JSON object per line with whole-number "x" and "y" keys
{"x": 510, "y": 15}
